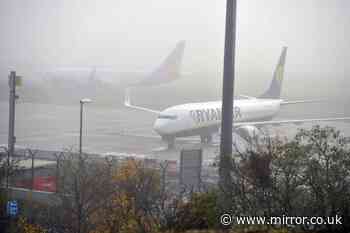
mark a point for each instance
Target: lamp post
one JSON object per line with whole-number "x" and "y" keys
{"x": 82, "y": 102}
{"x": 14, "y": 81}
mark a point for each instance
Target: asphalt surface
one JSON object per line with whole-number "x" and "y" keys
{"x": 116, "y": 130}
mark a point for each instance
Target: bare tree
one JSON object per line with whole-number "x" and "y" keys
{"x": 327, "y": 173}
{"x": 306, "y": 176}
{"x": 85, "y": 186}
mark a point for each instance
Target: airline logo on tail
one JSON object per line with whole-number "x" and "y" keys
{"x": 169, "y": 70}
{"x": 279, "y": 74}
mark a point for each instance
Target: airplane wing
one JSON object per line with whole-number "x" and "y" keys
{"x": 284, "y": 102}
{"x": 296, "y": 122}
{"x": 246, "y": 97}
{"x": 127, "y": 103}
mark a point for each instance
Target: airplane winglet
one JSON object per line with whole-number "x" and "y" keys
{"x": 127, "y": 103}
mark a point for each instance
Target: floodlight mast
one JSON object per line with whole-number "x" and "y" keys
{"x": 227, "y": 103}
{"x": 11, "y": 132}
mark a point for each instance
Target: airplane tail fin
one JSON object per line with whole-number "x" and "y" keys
{"x": 274, "y": 91}
{"x": 168, "y": 71}
{"x": 92, "y": 75}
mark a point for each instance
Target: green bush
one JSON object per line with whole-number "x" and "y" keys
{"x": 199, "y": 212}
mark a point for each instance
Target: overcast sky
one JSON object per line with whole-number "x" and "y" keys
{"x": 136, "y": 35}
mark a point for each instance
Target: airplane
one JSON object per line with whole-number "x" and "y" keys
{"x": 167, "y": 71}
{"x": 249, "y": 113}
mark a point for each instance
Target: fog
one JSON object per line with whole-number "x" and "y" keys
{"x": 133, "y": 35}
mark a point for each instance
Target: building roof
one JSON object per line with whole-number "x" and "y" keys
{"x": 38, "y": 163}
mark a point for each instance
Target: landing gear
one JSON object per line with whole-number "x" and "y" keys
{"x": 170, "y": 140}
{"x": 206, "y": 139}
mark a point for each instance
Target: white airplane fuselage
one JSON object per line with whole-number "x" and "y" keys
{"x": 204, "y": 118}
{"x": 249, "y": 114}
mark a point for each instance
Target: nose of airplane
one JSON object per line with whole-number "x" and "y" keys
{"x": 159, "y": 126}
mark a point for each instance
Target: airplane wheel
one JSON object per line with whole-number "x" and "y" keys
{"x": 209, "y": 139}
{"x": 206, "y": 139}
{"x": 171, "y": 144}
{"x": 170, "y": 141}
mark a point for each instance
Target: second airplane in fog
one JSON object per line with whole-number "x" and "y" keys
{"x": 168, "y": 70}
{"x": 204, "y": 119}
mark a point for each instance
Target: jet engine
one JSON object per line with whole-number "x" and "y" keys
{"x": 248, "y": 132}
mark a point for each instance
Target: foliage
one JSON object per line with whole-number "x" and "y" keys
{"x": 198, "y": 213}
{"x": 307, "y": 176}
{"x": 84, "y": 187}
{"x": 132, "y": 207}
{"x": 23, "y": 226}
{"x": 244, "y": 230}
{"x": 327, "y": 173}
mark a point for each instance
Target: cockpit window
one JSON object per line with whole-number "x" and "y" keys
{"x": 170, "y": 117}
